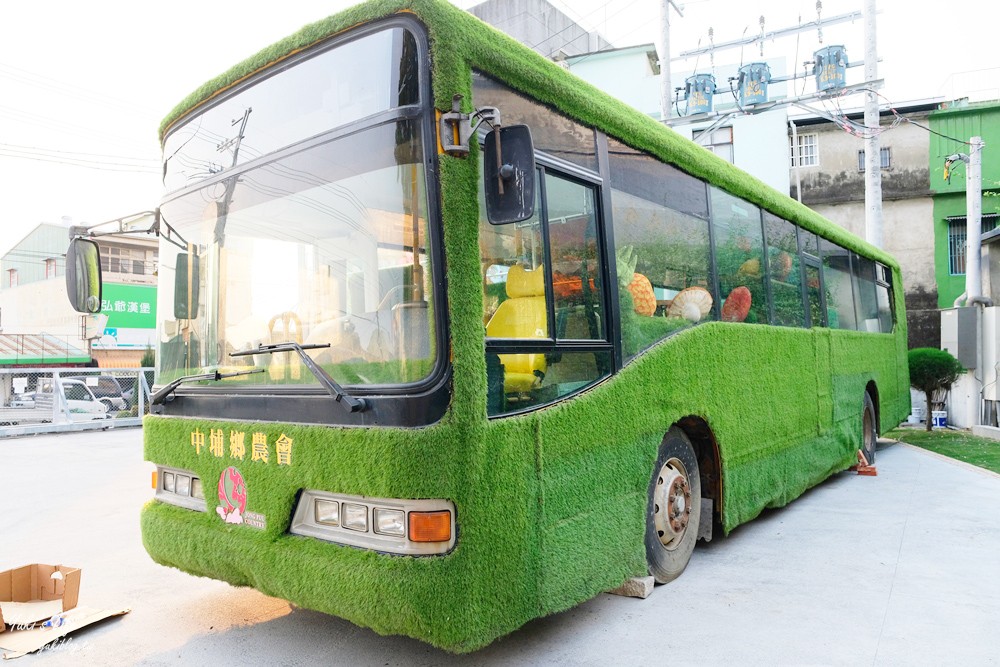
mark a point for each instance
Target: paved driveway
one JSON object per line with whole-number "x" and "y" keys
{"x": 899, "y": 569}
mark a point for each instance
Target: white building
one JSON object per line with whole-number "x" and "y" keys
{"x": 33, "y": 296}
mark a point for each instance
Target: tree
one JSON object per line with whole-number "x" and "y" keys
{"x": 932, "y": 369}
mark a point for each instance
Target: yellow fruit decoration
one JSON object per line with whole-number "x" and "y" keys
{"x": 643, "y": 298}
{"x": 750, "y": 268}
{"x": 638, "y": 285}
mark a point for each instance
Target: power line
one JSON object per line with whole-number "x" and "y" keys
{"x": 573, "y": 24}
{"x": 101, "y": 166}
{"x": 47, "y": 151}
{"x": 62, "y": 126}
{"x": 67, "y": 89}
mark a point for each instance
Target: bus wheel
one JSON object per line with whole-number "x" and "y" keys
{"x": 868, "y": 435}
{"x": 674, "y": 508}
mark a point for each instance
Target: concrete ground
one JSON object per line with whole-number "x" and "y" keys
{"x": 898, "y": 569}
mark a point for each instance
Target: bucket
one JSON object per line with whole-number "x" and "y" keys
{"x": 753, "y": 80}
{"x": 830, "y": 68}
{"x": 699, "y": 90}
{"x": 940, "y": 418}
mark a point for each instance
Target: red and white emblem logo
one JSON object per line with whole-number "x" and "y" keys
{"x": 232, "y": 496}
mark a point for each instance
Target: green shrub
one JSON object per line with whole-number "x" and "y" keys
{"x": 932, "y": 369}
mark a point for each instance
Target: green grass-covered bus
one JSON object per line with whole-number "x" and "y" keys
{"x": 390, "y": 392}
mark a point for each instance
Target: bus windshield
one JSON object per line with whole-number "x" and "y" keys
{"x": 325, "y": 245}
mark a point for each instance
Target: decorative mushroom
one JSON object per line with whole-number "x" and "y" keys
{"x": 693, "y": 304}
{"x": 737, "y": 305}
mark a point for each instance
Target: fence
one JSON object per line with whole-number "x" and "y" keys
{"x": 46, "y": 400}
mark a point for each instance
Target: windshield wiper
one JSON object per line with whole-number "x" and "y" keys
{"x": 350, "y": 402}
{"x": 162, "y": 394}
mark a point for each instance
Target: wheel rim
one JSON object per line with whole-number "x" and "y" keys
{"x": 672, "y": 503}
{"x": 869, "y": 431}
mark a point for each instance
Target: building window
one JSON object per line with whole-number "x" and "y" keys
{"x": 884, "y": 159}
{"x": 719, "y": 142}
{"x": 806, "y": 153}
{"x": 50, "y": 268}
{"x": 11, "y": 277}
{"x": 957, "y": 240}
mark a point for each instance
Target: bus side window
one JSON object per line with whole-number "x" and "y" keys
{"x": 662, "y": 239}
{"x": 837, "y": 280}
{"x": 883, "y": 292}
{"x": 517, "y": 247}
{"x": 739, "y": 258}
{"x": 784, "y": 271}
{"x": 543, "y": 283}
{"x": 865, "y": 297}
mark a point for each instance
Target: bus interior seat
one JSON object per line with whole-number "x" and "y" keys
{"x": 521, "y": 315}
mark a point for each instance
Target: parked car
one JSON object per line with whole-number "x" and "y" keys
{"x": 83, "y": 404}
{"x": 39, "y": 406}
{"x": 128, "y": 383}
{"x": 107, "y": 390}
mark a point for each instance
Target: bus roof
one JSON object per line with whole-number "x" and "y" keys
{"x": 460, "y": 40}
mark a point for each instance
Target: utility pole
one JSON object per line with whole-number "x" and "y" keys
{"x": 873, "y": 157}
{"x": 666, "y": 90}
{"x": 974, "y": 220}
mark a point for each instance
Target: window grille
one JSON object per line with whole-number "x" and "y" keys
{"x": 957, "y": 240}
{"x": 806, "y": 153}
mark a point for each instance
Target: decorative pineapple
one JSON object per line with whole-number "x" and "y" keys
{"x": 642, "y": 295}
{"x": 638, "y": 285}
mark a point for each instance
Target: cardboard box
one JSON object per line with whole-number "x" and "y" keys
{"x": 34, "y": 593}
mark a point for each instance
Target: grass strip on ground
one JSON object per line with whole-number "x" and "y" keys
{"x": 959, "y": 445}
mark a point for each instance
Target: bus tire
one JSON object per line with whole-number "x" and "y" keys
{"x": 673, "y": 508}
{"x": 869, "y": 435}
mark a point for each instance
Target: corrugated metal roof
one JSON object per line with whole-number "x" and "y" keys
{"x": 38, "y": 349}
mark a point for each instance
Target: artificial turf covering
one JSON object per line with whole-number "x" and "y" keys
{"x": 551, "y": 505}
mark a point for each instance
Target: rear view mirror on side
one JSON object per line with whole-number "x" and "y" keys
{"x": 186, "y": 281}
{"x": 509, "y": 178}
{"x": 83, "y": 276}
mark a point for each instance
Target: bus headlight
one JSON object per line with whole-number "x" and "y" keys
{"x": 355, "y": 517}
{"x": 387, "y": 525}
{"x": 389, "y": 522}
{"x": 327, "y": 512}
{"x": 180, "y": 487}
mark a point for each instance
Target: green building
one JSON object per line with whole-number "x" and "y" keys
{"x": 959, "y": 123}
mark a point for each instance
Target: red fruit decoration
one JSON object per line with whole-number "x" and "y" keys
{"x": 737, "y": 305}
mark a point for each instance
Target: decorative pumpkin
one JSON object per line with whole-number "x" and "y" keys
{"x": 693, "y": 304}
{"x": 737, "y": 305}
{"x": 643, "y": 297}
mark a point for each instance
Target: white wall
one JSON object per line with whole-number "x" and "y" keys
{"x": 625, "y": 74}
{"x": 760, "y": 146}
{"x": 41, "y": 307}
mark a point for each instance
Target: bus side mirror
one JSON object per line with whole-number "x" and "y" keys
{"x": 186, "y": 281}
{"x": 510, "y": 178}
{"x": 83, "y": 276}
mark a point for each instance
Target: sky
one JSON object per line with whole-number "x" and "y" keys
{"x": 84, "y": 85}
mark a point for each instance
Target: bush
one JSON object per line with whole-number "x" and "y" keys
{"x": 932, "y": 369}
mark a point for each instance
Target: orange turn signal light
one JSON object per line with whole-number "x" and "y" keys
{"x": 430, "y": 526}
{"x": 154, "y": 480}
